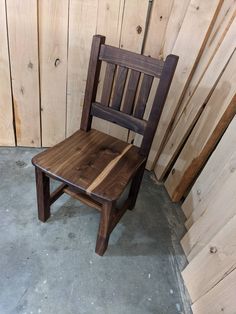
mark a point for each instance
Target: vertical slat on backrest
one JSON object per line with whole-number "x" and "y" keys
{"x": 131, "y": 92}
{"x": 159, "y": 101}
{"x": 119, "y": 87}
{"x": 107, "y": 84}
{"x": 143, "y": 96}
{"x": 92, "y": 81}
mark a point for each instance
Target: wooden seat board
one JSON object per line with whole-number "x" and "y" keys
{"x": 81, "y": 159}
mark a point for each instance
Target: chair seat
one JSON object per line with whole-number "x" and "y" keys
{"x": 94, "y": 162}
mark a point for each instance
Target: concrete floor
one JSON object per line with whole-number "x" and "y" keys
{"x": 52, "y": 268}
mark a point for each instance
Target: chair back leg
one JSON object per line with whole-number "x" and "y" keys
{"x": 43, "y": 194}
{"x": 104, "y": 228}
{"x": 135, "y": 186}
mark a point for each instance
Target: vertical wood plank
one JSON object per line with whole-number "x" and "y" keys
{"x": 82, "y": 27}
{"x": 189, "y": 45}
{"x": 23, "y": 44}
{"x": 7, "y": 137}
{"x": 53, "y": 29}
{"x": 216, "y": 116}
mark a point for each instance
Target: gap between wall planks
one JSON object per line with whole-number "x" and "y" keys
{"x": 7, "y": 137}
{"x": 219, "y": 299}
{"x": 199, "y": 19}
{"x": 82, "y": 26}
{"x": 216, "y": 116}
{"x": 196, "y": 104}
{"x": 23, "y": 41}
{"x": 53, "y": 31}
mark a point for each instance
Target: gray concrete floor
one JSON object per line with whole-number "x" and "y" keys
{"x": 51, "y": 268}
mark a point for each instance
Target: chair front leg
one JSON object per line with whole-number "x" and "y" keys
{"x": 43, "y": 194}
{"x": 104, "y": 226}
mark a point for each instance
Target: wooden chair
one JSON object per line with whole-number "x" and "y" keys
{"x": 95, "y": 167}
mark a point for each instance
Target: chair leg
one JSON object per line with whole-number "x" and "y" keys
{"x": 135, "y": 186}
{"x": 43, "y": 194}
{"x": 103, "y": 232}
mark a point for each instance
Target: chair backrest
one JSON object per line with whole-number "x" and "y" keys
{"x": 133, "y": 99}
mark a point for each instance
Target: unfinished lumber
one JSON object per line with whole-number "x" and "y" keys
{"x": 53, "y": 30}
{"x": 222, "y": 24}
{"x": 82, "y": 27}
{"x": 189, "y": 45}
{"x": 217, "y": 257}
{"x": 159, "y": 18}
{"x": 221, "y": 207}
{"x": 23, "y": 41}
{"x": 212, "y": 176}
{"x": 212, "y": 123}
{"x": 175, "y": 20}
{"x": 218, "y": 213}
{"x": 196, "y": 104}
{"x": 6, "y": 114}
{"x": 220, "y": 299}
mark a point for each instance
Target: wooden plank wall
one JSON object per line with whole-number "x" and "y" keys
{"x": 44, "y": 53}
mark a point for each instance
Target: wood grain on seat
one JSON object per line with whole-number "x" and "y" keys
{"x": 94, "y": 162}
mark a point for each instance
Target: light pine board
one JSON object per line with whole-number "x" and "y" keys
{"x": 218, "y": 257}
{"x": 7, "y": 137}
{"x": 196, "y": 103}
{"x": 212, "y": 176}
{"x": 189, "y": 45}
{"x": 220, "y": 299}
{"x": 215, "y": 117}
{"x": 218, "y": 210}
{"x": 156, "y": 34}
{"x": 23, "y": 43}
{"x": 175, "y": 20}
{"x": 53, "y": 31}
{"x": 82, "y": 27}
{"x": 222, "y": 24}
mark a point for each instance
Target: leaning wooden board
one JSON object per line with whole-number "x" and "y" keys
{"x": 189, "y": 45}
{"x": 212, "y": 123}
{"x": 7, "y": 137}
{"x": 196, "y": 104}
{"x": 209, "y": 182}
{"x": 220, "y": 299}
{"x": 218, "y": 257}
{"x": 216, "y": 215}
{"x": 23, "y": 42}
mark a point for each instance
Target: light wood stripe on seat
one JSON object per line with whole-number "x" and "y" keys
{"x": 107, "y": 170}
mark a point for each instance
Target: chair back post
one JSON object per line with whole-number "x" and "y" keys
{"x": 158, "y": 103}
{"x": 92, "y": 81}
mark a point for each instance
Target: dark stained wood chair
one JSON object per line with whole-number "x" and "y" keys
{"x": 95, "y": 167}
